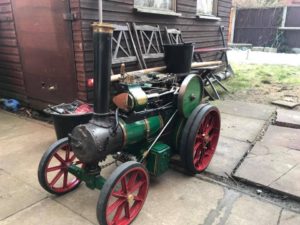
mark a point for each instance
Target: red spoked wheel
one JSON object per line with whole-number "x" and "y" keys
{"x": 200, "y": 138}
{"x": 123, "y": 195}
{"x": 53, "y": 172}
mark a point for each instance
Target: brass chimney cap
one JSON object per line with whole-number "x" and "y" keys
{"x": 102, "y": 27}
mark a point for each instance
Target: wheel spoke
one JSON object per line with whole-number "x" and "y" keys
{"x": 65, "y": 179}
{"x": 136, "y": 186}
{"x": 209, "y": 129}
{"x": 202, "y": 155}
{"x": 207, "y": 121}
{"x": 118, "y": 195}
{"x": 114, "y": 206}
{"x": 127, "y": 210}
{"x": 59, "y": 158}
{"x": 67, "y": 154}
{"x": 56, "y": 178}
{"x": 197, "y": 157}
{"x": 124, "y": 186}
{"x": 212, "y": 137}
{"x": 72, "y": 158}
{"x": 132, "y": 180}
{"x": 137, "y": 198}
{"x": 197, "y": 146}
{"x": 118, "y": 214}
{"x": 51, "y": 169}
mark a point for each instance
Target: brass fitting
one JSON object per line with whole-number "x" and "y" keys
{"x": 103, "y": 27}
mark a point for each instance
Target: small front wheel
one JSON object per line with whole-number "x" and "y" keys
{"x": 123, "y": 195}
{"x": 53, "y": 172}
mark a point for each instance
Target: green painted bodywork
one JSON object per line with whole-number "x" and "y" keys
{"x": 158, "y": 159}
{"x": 141, "y": 130}
{"x": 177, "y": 132}
{"x": 91, "y": 181}
{"x": 192, "y": 96}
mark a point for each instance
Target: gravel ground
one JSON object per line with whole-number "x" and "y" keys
{"x": 252, "y": 57}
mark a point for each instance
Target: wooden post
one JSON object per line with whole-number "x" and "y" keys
{"x": 232, "y": 25}
{"x": 284, "y": 14}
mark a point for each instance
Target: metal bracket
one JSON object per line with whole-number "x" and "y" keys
{"x": 91, "y": 181}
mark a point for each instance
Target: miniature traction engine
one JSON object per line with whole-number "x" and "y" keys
{"x": 141, "y": 121}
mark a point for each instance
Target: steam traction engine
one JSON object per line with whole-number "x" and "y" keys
{"x": 141, "y": 121}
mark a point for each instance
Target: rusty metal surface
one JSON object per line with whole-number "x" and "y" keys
{"x": 45, "y": 40}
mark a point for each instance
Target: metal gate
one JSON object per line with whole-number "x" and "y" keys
{"x": 45, "y": 38}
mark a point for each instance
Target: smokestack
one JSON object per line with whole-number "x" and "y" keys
{"x": 102, "y": 37}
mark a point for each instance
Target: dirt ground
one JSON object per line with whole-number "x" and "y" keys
{"x": 262, "y": 77}
{"x": 267, "y": 93}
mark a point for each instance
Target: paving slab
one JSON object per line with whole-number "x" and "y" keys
{"x": 289, "y": 218}
{"x": 272, "y": 166}
{"x": 240, "y": 128}
{"x": 228, "y": 154}
{"x": 283, "y": 136}
{"x": 251, "y": 211}
{"x": 286, "y": 104}
{"x": 246, "y": 109}
{"x": 288, "y": 118}
{"x": 46, "y": 212}
{"x": 173, "y": 198}
{"x": 15, "y": 195}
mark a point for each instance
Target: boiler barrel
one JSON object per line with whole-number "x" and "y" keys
{"x": 141, "y": 130}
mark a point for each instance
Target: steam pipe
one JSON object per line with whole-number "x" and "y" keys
{"x": 100, "y": 11}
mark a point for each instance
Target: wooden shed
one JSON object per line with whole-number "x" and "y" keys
{"x": 46, "y": 50}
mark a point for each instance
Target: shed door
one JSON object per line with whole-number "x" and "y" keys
{"x": 45, "y": 40}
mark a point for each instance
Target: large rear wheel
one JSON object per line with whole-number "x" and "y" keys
{"x": 123, "y": 194}
{"x": 200, "y": 138}
{"x": 53, "y": 172}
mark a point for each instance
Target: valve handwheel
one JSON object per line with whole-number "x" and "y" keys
{"x": 123, "y": 194}
{"x": 53, "y": 172}
{"x": 200, "y": 138}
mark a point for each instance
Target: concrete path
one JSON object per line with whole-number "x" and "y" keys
{"x": 274, "y": 162}
{"x": 241, "y": 125}
{"x": 174, "y": 198}
{"x": 288, "y": 118}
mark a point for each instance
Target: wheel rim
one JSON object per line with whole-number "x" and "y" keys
{"x": 127, "y": 197}
{"x": 206, "y": 140}
{"x": 56, "y": 171}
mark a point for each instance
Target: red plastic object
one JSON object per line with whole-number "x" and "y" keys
{"x": 85, "y": 108}
{"x": 90, "y": 83}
